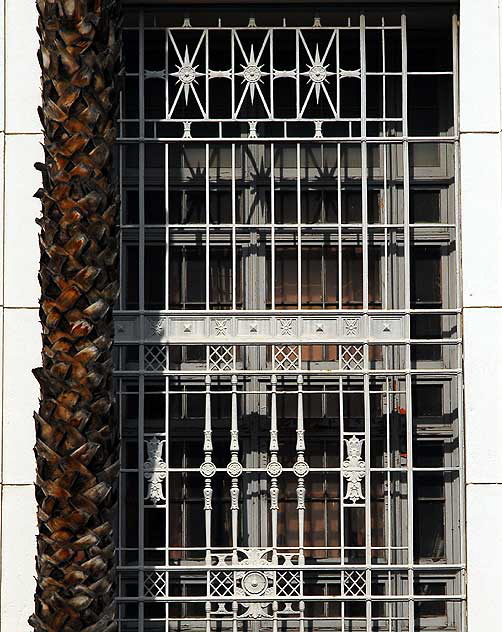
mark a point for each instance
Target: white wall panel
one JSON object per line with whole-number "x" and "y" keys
{"x": 483, "y": 404}
{"x": 479, "y": 66}
{"x": 484, "y": 556}
{"x": 18, "y": 553}
{"x": 21, "y": 231}
{"x": 22, "y": 72}
{"x": 481, "y": 177}
{"x": 21, "y": 355}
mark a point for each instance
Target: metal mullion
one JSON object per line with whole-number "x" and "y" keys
{"x": 297, "y": 63}
{"x": 367, "y": 461}
{"x": 166, "y": 459}
{"x": 459, "y": 304}
{"x": 444, "y": 568}
{"x": 166, "y": 185}
{"x": 206, "y": 48}
{"x": 337, "y": 50}
{"x": 141, "y": 272}
{"x": 407, "y": 253}
{"x": 299, "y": 220}
{"x": 385, "y": 175}
{"x": 364, "y": 161}
{"x": 141, "y": 497}
{"x": 122, "y": 150}
{"x": 333, "y": 598}
{"x": 385, "y": 284}
{"x": 388, "y": 499}
{"x": 121, "y": 507}
{"x": 271, "y": 48}
{"x": 166, "y": 33}
{"x": 341, "y": 449}
{"x": 234, "y": 239}
{"x": 232, "y": 79}
{"x": 339, "y": 205}
{"x": 272, "y": 227}
{"x": 208, "y": 254}
{"x": 384, "y": 87}
{"x": 141, "y": 158}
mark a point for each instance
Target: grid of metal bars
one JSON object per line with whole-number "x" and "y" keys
{"x": 288, "y": 353}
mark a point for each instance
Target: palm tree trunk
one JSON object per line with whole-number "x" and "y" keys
{"x": 76, "y": 442}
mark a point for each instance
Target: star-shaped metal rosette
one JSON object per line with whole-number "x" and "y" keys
{"x": 318, "y": 73}
{"x": 252, "y": 73}
{"x": 186, "y": 74}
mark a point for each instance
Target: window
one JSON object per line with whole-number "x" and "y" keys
{"x": 288, "y": 342}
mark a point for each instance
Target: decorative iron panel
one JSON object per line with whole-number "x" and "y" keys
{"x": 288, "y": 339}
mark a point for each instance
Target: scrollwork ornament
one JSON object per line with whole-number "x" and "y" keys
{"x": 354, "y": 469}
{"x": 155, "y": 470}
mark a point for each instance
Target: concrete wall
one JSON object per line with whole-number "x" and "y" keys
{"x": 481, "y": 189}
{"x": 20, "y": 330}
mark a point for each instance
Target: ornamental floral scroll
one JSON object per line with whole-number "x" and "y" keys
{"x": 354, "y": 469}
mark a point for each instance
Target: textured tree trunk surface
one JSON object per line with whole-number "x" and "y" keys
{"x": 76, "y": 442}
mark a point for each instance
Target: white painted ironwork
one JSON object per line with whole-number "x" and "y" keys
{"x": 155, "y": 470}
{"x": 288, "y": 340}
{"x": 354, "y": 469}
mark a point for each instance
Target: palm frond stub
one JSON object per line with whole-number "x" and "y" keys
{"x": 76, "y": 442}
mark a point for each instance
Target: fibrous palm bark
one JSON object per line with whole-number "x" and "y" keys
{"x": 76, "y": 442}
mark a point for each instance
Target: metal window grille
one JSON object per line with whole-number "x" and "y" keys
{"x": 288, "y": 340}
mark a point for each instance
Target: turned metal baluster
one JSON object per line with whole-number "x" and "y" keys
{"x": 274, "y": 469}
{"x": 208, "y": 469}
{"x": 301, "y": 469}
{"x": 234, "y": 470}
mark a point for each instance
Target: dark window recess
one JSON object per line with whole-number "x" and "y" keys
{"x": 429, "y": 512}
{"x": 155, "y": 206}
{"x": 155, "y": 276}
{"x": 425, "y": 206}
{"x": 130, "y": 209}
{"x": 426, "y": 277}
{"x": 131, "y": 264}
{"x": 187, "y": 278}
{"x": 427, "y": 400}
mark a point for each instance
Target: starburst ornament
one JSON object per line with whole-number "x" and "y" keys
{"x": 187, "y": 74}
{"x": 252, "y": 73}
{"x": 318, "y": 73}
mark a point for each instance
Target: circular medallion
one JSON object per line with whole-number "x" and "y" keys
{"x": 234, "y": 469}
{"x": 252, "y": 73}
{"x": 208, "y": 469}
{"x": 300, "y": 468}
{"x": 317, "y": 73}
{"x": 254, "y": 583}
{"x": 274, "y": 468}
{"x": 186, "y": 73}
